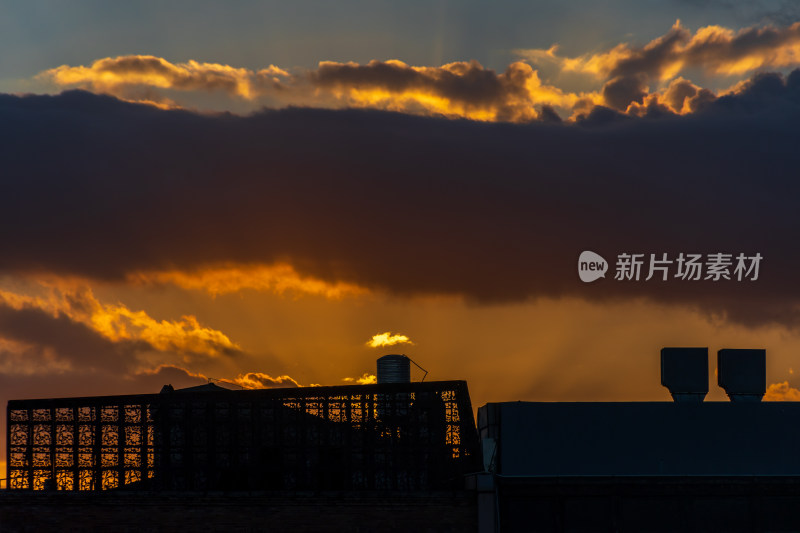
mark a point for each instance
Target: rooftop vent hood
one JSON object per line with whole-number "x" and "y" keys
{"x": 743, "y": 374}
{"x": 684, "y": 371}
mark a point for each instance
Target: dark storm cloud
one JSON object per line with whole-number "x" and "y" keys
{"x": 49, "y": 339}
{"x": 496, "y": 212}
{"x": 619, "y": 92}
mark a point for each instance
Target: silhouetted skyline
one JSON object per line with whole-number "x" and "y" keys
{"x": 256, "y": 195}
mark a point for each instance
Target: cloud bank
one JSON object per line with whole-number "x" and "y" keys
{"x": 624, "y": 77}
{"x": 103, "y": 189}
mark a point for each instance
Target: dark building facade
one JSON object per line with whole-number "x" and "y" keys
{"x": 404, "y": 436}
{"x": 399, "y": 456}
{"x": 679, "y": 466}
{"x": 643, "y": 466}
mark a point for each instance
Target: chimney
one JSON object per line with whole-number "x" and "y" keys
{"x": 684, "y": 371}
{"x": 743, "y": 374}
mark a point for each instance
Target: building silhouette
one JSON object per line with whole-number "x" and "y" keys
{"x": 390, "y": 436}
{"x": 403, "y": 456}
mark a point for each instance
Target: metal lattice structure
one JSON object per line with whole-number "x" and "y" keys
{"x": 390, "y": 436}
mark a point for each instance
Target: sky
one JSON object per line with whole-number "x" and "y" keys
{"x": 277, "y": 194}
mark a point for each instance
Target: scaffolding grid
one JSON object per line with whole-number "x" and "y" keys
{"x": 407, "y": 436}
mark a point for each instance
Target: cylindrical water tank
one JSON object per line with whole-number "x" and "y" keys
{"x": 394, "y": 369}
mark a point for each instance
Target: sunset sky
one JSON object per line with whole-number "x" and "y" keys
{"x": 250, "y": 191}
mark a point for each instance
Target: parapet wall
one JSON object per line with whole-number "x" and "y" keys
{"x": 129, "y": 512}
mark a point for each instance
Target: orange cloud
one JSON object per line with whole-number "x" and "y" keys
{"x": 116, "y": 322}
{"x": 118, "y": 75}
{"x": 599, "y": 65}
{"x": 161, "y": 369}
{"x": 716, "y": 49}
{"x": 627, "y": 70}
{"x": 387, "y": 339}
{"x": 279, "y": 278}
{"x": 782, "y": 392}
{"x": 460, "y": 90}
{"x": 681, "y": 97}
{"x": 259, "y": 380}
{"x": 365, "y": 379}
{"x": 726, "y": 52}
{"x": 249, "y": 380}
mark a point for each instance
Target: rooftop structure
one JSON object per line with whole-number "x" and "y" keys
{"x": 393, "y": 436}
